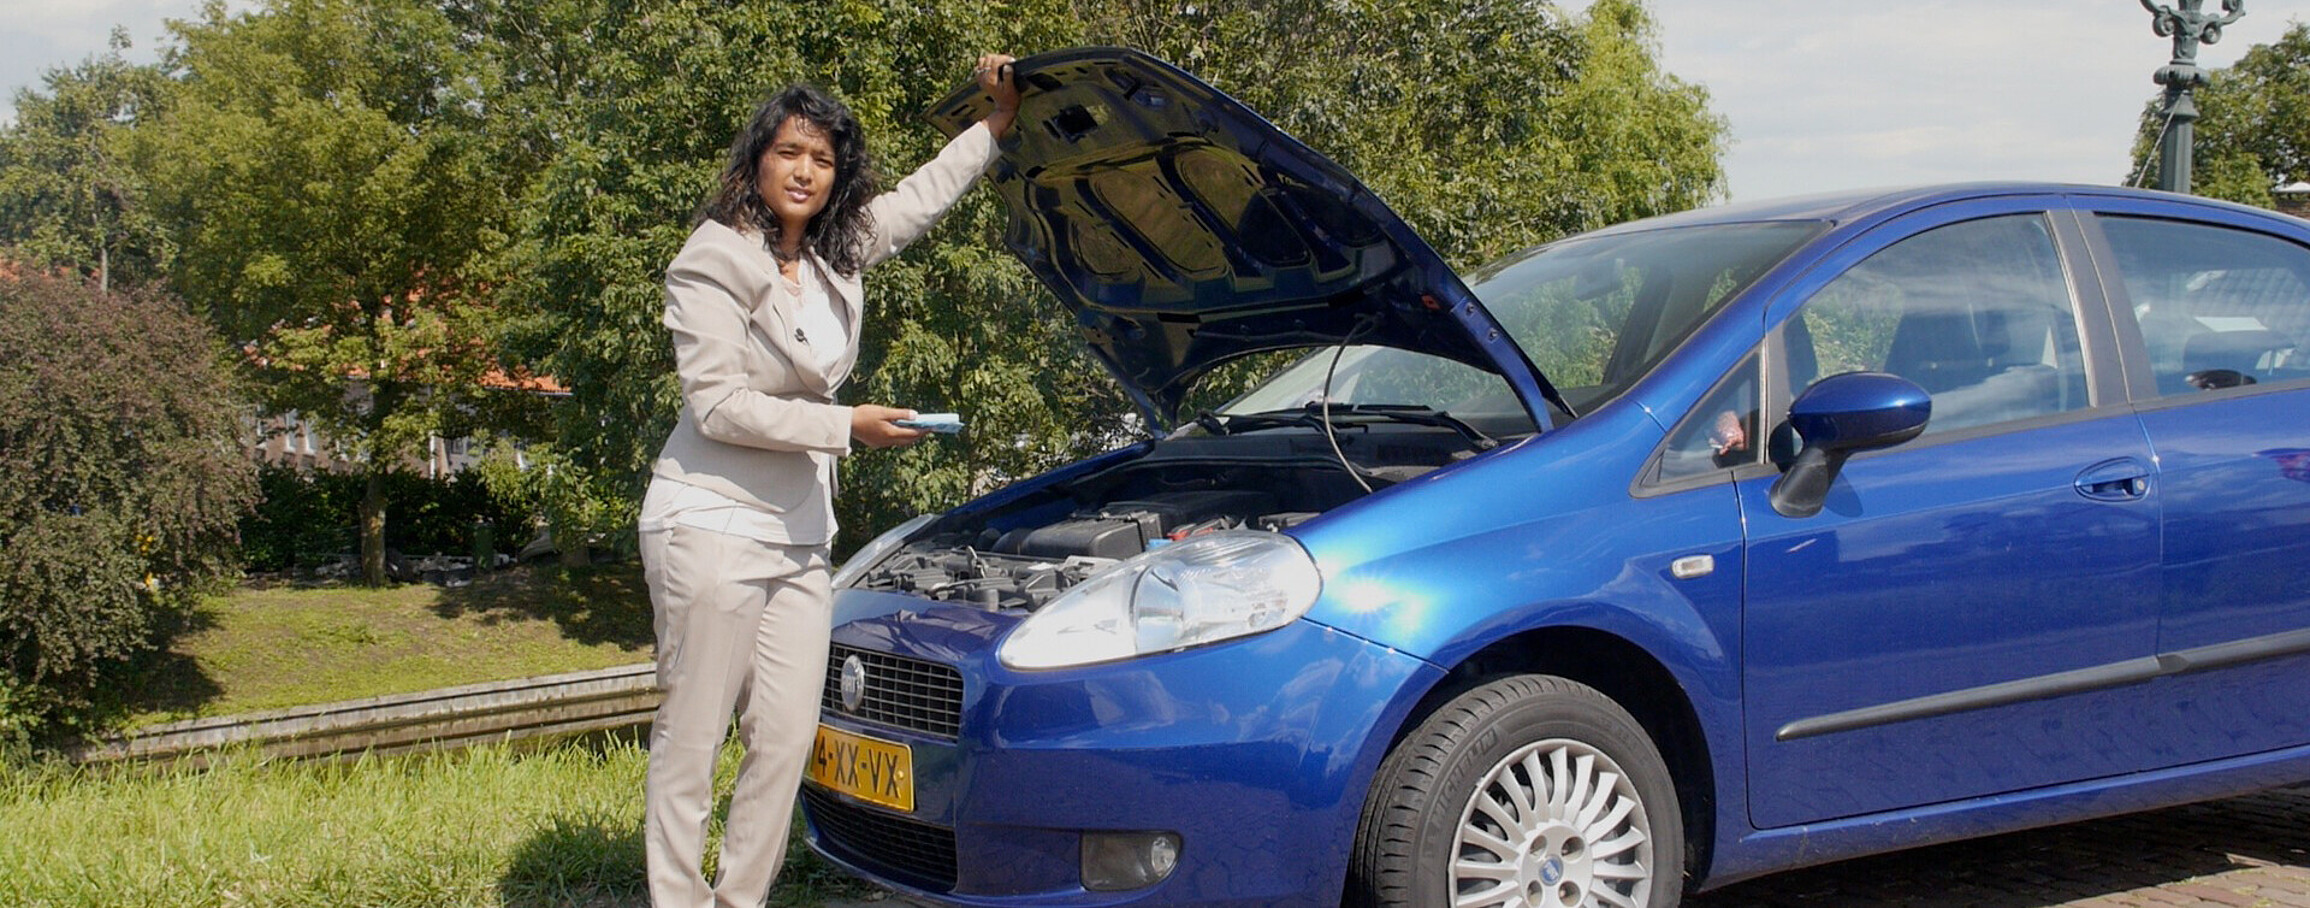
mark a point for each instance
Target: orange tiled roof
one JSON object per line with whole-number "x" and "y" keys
{"x": 522, "y": 380}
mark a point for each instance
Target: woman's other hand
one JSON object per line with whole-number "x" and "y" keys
{"x": 874, "y": 426}
{"x": 994, "y": 76}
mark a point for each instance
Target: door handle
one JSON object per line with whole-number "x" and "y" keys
{"x": 2119, "y": 479}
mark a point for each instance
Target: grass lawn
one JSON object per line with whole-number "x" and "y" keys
{"x": 486, "y": 827}
{"x": 527, "y": 826}
{"x": 268, "y": 647}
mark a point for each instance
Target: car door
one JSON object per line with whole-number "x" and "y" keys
{"x": 1956, "y": 620}
{"x": 2217, "y": 318}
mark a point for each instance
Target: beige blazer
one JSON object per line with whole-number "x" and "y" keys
{"x": 759, "y": 421}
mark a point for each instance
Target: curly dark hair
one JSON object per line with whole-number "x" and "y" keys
{"x": 839, "y": 232}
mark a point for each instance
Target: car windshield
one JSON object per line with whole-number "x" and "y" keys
{"x": 1594, "y": 313}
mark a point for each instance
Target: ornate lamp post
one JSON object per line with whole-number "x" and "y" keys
{"x": 2189, "y": 27}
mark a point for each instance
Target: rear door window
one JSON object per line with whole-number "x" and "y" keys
{"x": 2217, "y": 307}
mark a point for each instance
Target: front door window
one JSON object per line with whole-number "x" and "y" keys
{"x": 1977, "y": 313}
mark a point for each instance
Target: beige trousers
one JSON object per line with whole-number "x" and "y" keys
{"x": 742, "y": 628}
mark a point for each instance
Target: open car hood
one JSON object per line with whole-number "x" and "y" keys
{"x": 1184, "y": 230}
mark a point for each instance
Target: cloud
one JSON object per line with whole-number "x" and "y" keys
{"x": 37, "y": 36}
{"x": 77, "y": 29}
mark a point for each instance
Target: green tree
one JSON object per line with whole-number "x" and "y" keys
{"x": 118, "y": 430}
{"x": 68, "y": 199}
{"x": 336, "y": 203}
{"x": 2253, "y": 128}
{"x": 1490, "y": 125}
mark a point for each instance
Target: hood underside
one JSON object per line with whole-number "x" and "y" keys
{"x": 1184, "y": 230}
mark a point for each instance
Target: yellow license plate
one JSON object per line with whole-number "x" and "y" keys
{"x": 869, "y": 769}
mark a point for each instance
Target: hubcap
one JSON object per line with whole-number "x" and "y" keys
{"x": 1554, "y": 825}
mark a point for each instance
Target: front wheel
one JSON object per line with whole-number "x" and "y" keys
{"x": 1528, "y": 792}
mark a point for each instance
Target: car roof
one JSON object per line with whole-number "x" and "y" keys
{"x": 1849, "y": 205}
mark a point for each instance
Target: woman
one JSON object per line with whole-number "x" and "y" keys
{"x": 764, "y": 303}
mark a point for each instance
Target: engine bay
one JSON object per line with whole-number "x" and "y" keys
{"x": 1020, "y": 555}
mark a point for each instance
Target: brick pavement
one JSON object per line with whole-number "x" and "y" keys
{"x": 2247, "y": 852}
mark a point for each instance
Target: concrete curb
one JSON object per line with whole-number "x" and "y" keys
{"x": 436, "y": 719}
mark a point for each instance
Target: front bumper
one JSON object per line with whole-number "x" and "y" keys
{"x": 1255, "y": 751}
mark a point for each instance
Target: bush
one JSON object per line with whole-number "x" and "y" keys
{"x": 301, "y": 519}
{"x": 118, "y": 435}
{"x": 307, "y": 519}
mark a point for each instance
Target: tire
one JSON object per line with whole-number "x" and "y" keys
{"x": 1450, "y": 820}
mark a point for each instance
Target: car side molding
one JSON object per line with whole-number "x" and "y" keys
{"x": 2115, "y": 674}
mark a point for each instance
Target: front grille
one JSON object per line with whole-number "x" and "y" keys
{"x": 911, "y": 851}
{"x": 912, "y": 694}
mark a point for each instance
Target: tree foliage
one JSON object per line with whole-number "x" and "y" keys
{"x": 2253, "y": 128}
{"x": 335, "y": 201}
{"x": 68, "y": 197}
{"x": 118, "y": 432}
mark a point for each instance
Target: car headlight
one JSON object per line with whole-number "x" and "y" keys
{"x": 1208, "y": 588}
{"x": 872, "y": 553}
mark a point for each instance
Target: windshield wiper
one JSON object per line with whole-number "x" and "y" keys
{"x": 1417, "y": 415}
{"x": 1312, "y": 416}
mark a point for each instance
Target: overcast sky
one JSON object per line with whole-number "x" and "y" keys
{"x": 1833, "y": 95}
{"x": 1821, "y": 95}
{"x": 39, "y": 35}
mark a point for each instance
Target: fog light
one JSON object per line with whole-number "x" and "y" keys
{"x": 1116, "y": 861}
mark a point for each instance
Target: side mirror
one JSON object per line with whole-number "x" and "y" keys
{"x": 1841, "y": 414}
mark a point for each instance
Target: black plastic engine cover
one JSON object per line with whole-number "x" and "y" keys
{"x": 1122, "y": 529}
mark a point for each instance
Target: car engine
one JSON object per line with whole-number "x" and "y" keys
{"x": 1021, "y": 555}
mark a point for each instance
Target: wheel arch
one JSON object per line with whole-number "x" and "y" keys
{"x": 1622, "y": 671}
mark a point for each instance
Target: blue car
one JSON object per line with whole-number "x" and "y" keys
{"x": 1635, "y": 564}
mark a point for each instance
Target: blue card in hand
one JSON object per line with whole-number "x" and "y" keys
{"x": 946, "y": 423}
